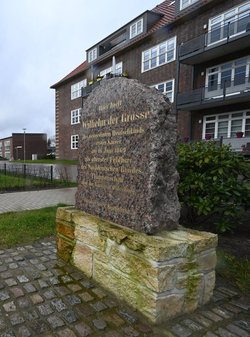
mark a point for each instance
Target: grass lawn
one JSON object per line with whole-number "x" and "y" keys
{"x": 18, "y": 228}
{"x": 12, "y": 183}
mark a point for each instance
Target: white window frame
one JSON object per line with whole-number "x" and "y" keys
{"x": 153, "y": 56}
{"x": 229, "y": 117}
{"x": 118, "y": 70}
{"x": 74, "y": 142}
{"x": 136, "y": 28}
{"x": 167, "y": 93}
{"x": 219, "y": 70}
{"x": 75, "y": 116}
{"x": 232, "y": 15}
{"x": 186, "y": 3}
{"x": 76, "y": 89}
{"x": 92, "y": 55}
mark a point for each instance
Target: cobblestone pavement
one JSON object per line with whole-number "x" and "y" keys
{"x": 22, "y": 201}
{"x": 41, "y": 295}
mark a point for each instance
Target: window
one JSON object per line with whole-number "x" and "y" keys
{"x": 186, "y": 3}
{"x": 226, "y": 125}
{"x": 136, "y": 28}
{"x": 159, "y": 55}
{"x": 118, "y": 70}
{"x": 166, "y": 88}
{"x": 92, "y": 55}
{"x": 75, "y": 116}
{"x": 228, "y": 78}
{"x": 229, "y": 23}
{"x": 74, "y": 142}
{"x": 76, "y": 89}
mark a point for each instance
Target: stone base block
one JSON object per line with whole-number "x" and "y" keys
{"x": 161, "y": 276}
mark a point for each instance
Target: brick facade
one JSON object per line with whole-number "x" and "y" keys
{"x": 186, "y": 24}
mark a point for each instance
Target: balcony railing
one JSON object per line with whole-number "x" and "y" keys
{"x": 228, "y": 90}
{"x": 218, "y": 35}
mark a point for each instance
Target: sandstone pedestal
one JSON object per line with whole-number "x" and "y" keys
{"x": 161, "y": 276}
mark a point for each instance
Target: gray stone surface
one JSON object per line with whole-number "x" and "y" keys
{"x": 82, "y": 308}
{"x": 127, "y": 172}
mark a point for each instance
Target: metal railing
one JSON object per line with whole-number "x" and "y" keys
{"x": 221, "y": 33}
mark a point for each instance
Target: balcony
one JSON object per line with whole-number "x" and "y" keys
{"x": 217, "y": 95}
{"x": 223, "y": 40}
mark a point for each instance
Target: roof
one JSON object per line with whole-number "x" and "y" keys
{"x": 166, "y": 9}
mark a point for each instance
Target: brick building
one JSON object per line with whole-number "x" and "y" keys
{"x": 196, "y": 52}
{"x": 23, "y": 146}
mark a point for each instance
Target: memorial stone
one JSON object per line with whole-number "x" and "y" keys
{"x": 127, "y": 161}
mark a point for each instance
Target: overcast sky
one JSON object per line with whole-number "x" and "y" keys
{"x": 41, "y": 41}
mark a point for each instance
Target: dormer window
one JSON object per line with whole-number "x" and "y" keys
{"x": 92, "y": 55}
{"x": 186, "y": 3}
{"x": 136, "y": 28}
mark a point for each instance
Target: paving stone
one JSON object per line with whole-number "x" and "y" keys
{"x": 58, "y": 304}
{"x": 83, "y": 329}
{"x": 29, "y": 288}
{"x": 62, "y": 291}
{"x": 114, "y": 320}
{"x": 66, "y": 333}
{"x": 2, "y": 324}
{"x": 222, "y": 312}
{"x": 84, "y": 310}
{"x": 36, "y": 298}
{"x": 99, "y": 324}
{"x": 54, "y": 280}
{"x": 74, "y": 287}
{"x": 210, "y": 334}
{"x": 41, "y": 266}
{"x": 224, "y": 333}
{"x": 66, "y": 279}
{"x": 202, "y": 320}
{"x": 23, "y": 331}
{"x": 110, "y": 303}
{"x": 192, "y": 325}
{"x": 87, "y": 284}
{"x": 98, "y": 306}
{"x": 13, "y": 266}
{"x": 113, "y": 334}
{"x": 23, "y": 302}
{"x": 6, "y": 274}
{"x": 243, "y": 323}
{"x": 17, "y": 292}
{"x": 22, "y": 278}
{"x": 243, "y": 303}
{"x": 45, "y": 309}
{"x": 4, "y": 295}
{"x": 10, "y": 306}
{"x": 212, "y": 316}
{"x": 69, "y": 316}
{"x": 181, "y": 330}
{"x": 55, "y": 321}
{"x": 130, "y": 331}
{"x": 16, "y": 319}
{"x": 2, "y": 285}
{"x": 49, "y": 294}
{"x": 86, "y": 297}
{"x": 30, "y": 315}
{"x": 76, "y": 276}
{"x": 3, "y": 268}
{"x": 43, "y": 284}
{"x": 232, "y": 308}
{"x": 40, "y": 326}
{"x": 73, "y": 299}
{"x": 227, "y": 291}
{"x": 238, "y": 331}
{"x": 10, "y": 282}
{"x": 8, "y": 260}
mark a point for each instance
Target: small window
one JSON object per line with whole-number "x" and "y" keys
{"x": 186, "y": 3}
{"x": 76, "y": 89}
{"x": 92, "y": 55}
{"x": 136, "y": 28}
{"x": 74, "y": 142}
{"x": 75, "y": 116}
{"x": 167, "y": 88}
{"x": 159, "y": 55}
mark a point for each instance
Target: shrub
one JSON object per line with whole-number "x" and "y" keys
{"x": 214, "y": 184}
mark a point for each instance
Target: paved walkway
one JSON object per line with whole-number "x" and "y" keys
{"x": 42, "y": 296}
{"x": 20, "y": 201}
